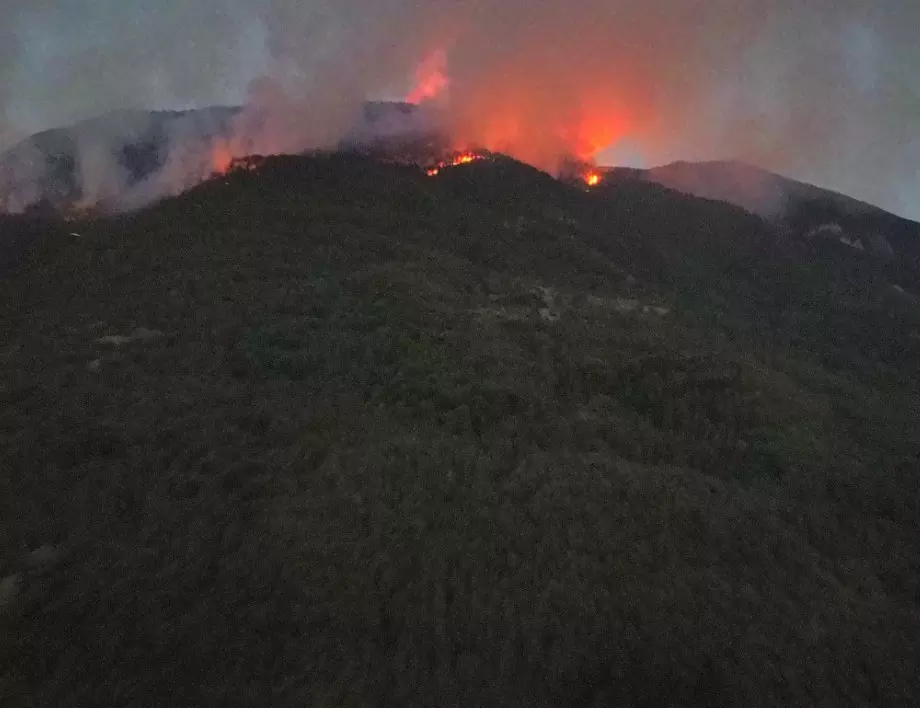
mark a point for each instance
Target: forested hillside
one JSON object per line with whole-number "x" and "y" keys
{"x": 331, "y": 432}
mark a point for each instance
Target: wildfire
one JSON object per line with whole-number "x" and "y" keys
{"x": 221, "y": 159}
{"x": 519, "y": 117}
{"x": 463, "y": 158}
{"x": 246, "y": 164}
{"x": 224, "y": 166}
{"x": 430, "y": 78}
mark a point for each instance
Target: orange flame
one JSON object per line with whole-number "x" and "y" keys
{"x": 463, "y": 158}
{"x": 592, "y": 179}
{"x": 522, "y": 120}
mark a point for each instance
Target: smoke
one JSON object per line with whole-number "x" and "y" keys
{"x": 823, "y": 90}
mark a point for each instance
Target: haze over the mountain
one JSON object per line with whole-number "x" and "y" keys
{"x": 128, "y": 159}
{"x": 755, "y": 189}
{"x": 824, "y": 90}
{"x": 796, "y": 206}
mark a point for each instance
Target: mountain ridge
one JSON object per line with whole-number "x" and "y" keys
{"x": 47, "y": 165}
{"x": 800, "y": 209}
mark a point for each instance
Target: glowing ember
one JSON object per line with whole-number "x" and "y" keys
{"x": 246, "y": 164}
{"x": 223, "y": 167}
{"x": 463, "y": 158}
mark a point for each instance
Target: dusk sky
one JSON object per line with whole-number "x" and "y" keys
{"x": 823, "y": 90}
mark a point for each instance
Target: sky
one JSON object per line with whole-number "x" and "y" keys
{"x": 822, "y": 90}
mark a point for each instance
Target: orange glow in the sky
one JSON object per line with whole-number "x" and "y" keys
{"x": 430, "y": 78}
{"x": 511, "y": 112}
{"x": 221, "y": 158}
{"x": 512, "y": 122}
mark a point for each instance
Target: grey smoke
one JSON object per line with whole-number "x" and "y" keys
{"x": 824, "y": 90}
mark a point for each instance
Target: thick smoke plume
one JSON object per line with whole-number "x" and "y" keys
{"x": 823, "y": 90}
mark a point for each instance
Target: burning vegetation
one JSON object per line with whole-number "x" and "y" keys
{"x": 507, "y": 120}
{"x": 461, "y": 158}
{"x": 581, "y": 172}
{"x": 223, "y": 167}
{"x": 439, "y": 125}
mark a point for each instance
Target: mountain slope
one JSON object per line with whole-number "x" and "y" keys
{"x": 333, "y": 431}
{"x": 127, "y": 159}
{"x": 798, "y": 207}
{"x": 104, "y": 159}
{"x": 757, "y": 190}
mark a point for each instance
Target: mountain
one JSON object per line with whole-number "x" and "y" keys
{"x": 752, "y": 188}
{"x": 126, "y": 159}
{"x": 102, "y": 159}
{"x": 331, "y": 431}
{"x": 802, "y": 210}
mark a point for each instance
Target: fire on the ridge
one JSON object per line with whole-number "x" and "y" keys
{"x": 223, "y": 164}
{"x": 463, "y": 158}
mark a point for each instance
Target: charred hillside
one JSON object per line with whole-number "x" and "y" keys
{"x": 330, "y": 429}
